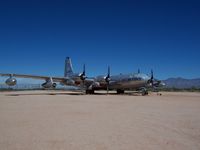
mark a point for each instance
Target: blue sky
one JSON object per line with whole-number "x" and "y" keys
{"x": 36, "y": 36}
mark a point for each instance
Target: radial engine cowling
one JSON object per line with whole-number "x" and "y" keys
{"x": 49, "y": 84}
{"x": 69, "y": 82}
{"x": 11, "y": 81}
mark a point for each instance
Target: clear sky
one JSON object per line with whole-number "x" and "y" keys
{"x": 163, "y": 35}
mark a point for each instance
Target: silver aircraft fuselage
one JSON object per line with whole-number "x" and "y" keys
{"x": 124, "y": 81}
{"x": 121, "y": 82}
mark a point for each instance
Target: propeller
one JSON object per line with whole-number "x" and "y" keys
{"x": 152, "y": 77}
{"x": 83, "y": 77}
{"x": 151, "y": 80}
{"x": 107, "y": 79}
{"x": 154, "y": 82}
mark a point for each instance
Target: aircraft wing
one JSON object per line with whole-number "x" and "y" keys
{"x": 55, "y": 79}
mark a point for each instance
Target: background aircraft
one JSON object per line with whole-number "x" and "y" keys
{"x": 120, "y": 83}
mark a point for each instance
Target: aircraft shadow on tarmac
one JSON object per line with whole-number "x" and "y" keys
{"x": 74, "y": 93}
{"x": 44, "y": 94}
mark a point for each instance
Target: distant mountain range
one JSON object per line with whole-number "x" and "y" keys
{"x": 182, "y": 83}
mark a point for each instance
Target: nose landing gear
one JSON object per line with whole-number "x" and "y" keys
{"x": 143, "y": 91}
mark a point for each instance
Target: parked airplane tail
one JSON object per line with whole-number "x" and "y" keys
{"x": 68, "y": 67}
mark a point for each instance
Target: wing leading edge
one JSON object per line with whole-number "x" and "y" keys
{"x": 56, "y": 79}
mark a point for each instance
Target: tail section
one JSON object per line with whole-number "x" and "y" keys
{"x": 68, "y": 67}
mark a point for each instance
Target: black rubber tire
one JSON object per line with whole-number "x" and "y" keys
{"x": 119, "y": 91}
{"x": 145, "y": 92}
{"x": 89, "y": 91}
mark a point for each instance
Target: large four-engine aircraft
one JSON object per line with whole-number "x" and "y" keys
{"x": 120, "y": 83}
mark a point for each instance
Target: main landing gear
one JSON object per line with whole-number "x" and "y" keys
{"x": 89, "y": 91}
{"x": 119, "y": 91}
{"x": 144, "y": 91}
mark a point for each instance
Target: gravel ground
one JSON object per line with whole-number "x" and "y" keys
{"x": 54, "y": 120}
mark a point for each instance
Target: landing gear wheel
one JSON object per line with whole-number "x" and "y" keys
{"x": 89, "y": 91}
{"x": 144, "y": 92}
{"x": 120, "y": 91}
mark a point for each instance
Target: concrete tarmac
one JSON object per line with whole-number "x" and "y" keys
{"x": 60, "y": 120}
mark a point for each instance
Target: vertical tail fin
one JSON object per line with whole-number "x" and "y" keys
{"x": 68, "y": 67}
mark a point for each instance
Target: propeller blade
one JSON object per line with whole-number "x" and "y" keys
{"x": 83, "y": 86}
{"x": 108, "y": 80}
{"x": 108, "y": 72}
{"x": 152, "y": 79}
{"x": 84, "y": 69}
{"x": 83, "y": 77}
{"x": 152, "y": 75}
{"x": 107, "y": 87}
{"x": 138, "y": 70}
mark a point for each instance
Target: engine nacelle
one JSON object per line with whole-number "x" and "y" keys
{"x": 94, "y": 85}
{"x": 11, "y": 81}
{"x": 49, "y": 84}
{"x": 69, "y": 82}
{"x": 54, "y": 85}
